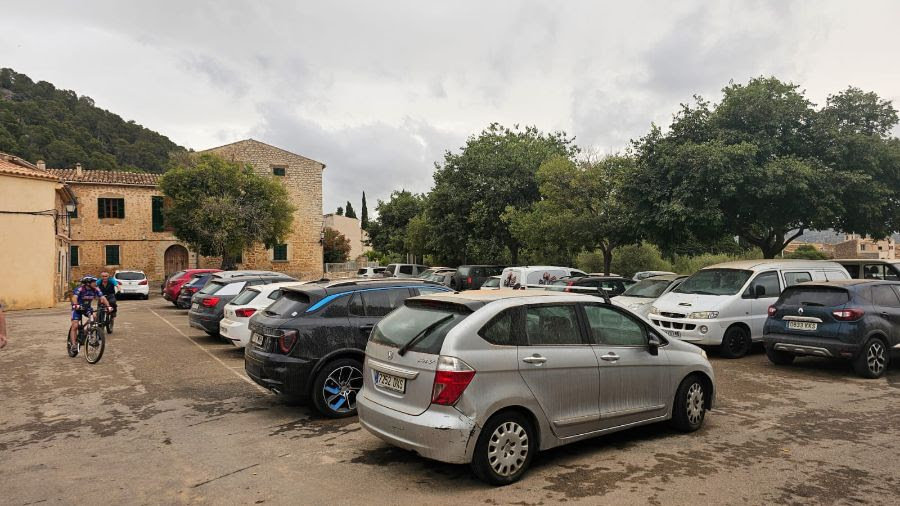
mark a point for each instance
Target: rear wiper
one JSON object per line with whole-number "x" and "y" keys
{"x": 418, "y": 337}
{"x": 813, "y": 304}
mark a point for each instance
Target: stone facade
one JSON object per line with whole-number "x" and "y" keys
{"x": 303, "y": 179}
{"x": 864, "y": 247}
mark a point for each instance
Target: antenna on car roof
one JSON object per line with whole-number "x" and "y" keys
{"x": 603, "y": 294}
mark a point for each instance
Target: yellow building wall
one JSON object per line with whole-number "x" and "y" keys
{"x": 28, "y": 247}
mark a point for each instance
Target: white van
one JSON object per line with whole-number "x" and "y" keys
{"x": 727, "y": 304}
{"x": 535, "y": 276}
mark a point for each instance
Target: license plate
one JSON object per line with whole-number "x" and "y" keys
{"x": 802, "y": 325}
{"x": 673, "y": 333}
{"x": 389, "y": 382}
{"x": 257, "y": 339}
{"x": 195, "y": 306}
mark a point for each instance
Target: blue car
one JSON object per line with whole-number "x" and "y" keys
{"x": 309, "y": 345}
{"x": 856, "y": 320}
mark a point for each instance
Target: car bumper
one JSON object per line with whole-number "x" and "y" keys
{"x": 440, "y": 433}
{"x": 281, "y": 374}
{"x": 235, "y": 331}
{"x": 811, "y": 345}
{"x": 691, "y": 331}
{"x": 135, "y": 290}
{"x": 207, "y": 323}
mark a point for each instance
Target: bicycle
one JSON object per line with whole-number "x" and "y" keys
{"x": 111, "y": 319}
{"x": 90, "y": 335}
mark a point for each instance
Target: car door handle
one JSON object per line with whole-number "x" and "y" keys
{"x": 534, "y": 359}
{"x": 366, "y": 328}
{"x": 609, "y": 357}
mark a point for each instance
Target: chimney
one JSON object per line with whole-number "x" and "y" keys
{"x": 41, "y": 165}
{"x": 78, "y": 170}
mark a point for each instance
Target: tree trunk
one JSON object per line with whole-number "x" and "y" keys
{"x": 607, "y": 261}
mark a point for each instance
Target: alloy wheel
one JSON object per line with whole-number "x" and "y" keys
{"x": 875, "y": 357}
{"x": 341, "y": 388}
{"x": 694, "y": 403}
{"x": 508, "y": 448}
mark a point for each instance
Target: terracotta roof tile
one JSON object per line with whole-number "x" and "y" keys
{"x": 107, "y": 177}
{"x": 18, "y": 167}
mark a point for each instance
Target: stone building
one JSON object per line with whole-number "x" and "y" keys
{"x": 34, "y": 228}
{"x": 301, "y": 254}
{"x": 856, "y": 246}
{"x": 118, "y": 223}
{"x": 352, "y": 230}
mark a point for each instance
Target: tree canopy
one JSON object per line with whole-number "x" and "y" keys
{"x": 220, "y": 208}
{"x": 40, "y": 122}
{"x": 348, "y": 211}
{"x": 472, "y": 189}
{"x": 364, "y": 217}
{"x": 387, "y": 233}
{"x": 765, "y": 165}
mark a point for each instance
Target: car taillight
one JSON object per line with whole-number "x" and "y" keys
{"x": 568, "y": 285}
{"x": 772, "y": 310}
{"x": 210, "y": 302}
{"x": 286, "y": 341}
{"x": 143, "y": 282}
{"x": 469, "y": 280}
{"x": 450, "y": 380}
{"x": 245, "y": 312}
{"x": 848, "y": 315}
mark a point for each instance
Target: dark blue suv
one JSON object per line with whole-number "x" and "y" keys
{"x": 856, "y": 319}
{"x": 310, "y": 343}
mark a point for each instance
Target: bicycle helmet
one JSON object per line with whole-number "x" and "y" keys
{"x": 88, "y": 280}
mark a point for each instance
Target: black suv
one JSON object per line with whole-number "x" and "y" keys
{"x": 471, "y": 277}
{"x": 208, "y": 304}
{"x": 310, "y": 343}
{"x": 856, "y": 319}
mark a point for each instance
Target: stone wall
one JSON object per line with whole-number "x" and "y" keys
{"x": 303, "y": 180}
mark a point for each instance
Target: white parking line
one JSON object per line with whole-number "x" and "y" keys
{"x": 217, "y": 359}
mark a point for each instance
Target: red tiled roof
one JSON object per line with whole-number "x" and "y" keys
{"x": 17, "y": 167}
{"x": 107, "y": 177}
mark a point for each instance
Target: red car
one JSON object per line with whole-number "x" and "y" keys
{"x": 176, "y": 281}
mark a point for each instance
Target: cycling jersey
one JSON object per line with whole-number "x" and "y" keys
{"x": 85, "y": 295}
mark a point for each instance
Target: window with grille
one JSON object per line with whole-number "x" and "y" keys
{"x": 279, "y": 253}
{"x": 110, "y": 208}
{"x": 278, "y": 171}
{"x": 73, "y": 256}
{"x": 159, "y": 221}
{"x": 112, "y": 254}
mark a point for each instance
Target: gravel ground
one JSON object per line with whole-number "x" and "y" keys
{"x": 168, "y": 416}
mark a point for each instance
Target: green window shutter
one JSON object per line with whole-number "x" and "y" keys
{"x": 280, "y": 252}
{"x": 112, "y": 254}
{"x": 121, "y": 213}
{"x": 159, "y": 223}
{"x": 101, "y": 208}
{"x": 73, "y": 256}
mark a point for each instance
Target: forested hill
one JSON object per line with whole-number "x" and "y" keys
{"x": 40, "y": 122}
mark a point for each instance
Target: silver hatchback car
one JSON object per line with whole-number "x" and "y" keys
{"x": 490, "y": 378}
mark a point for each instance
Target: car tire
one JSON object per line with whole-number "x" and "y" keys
{"x": 146, "y": 296}
{"x": 872, "y": 360}
{"x": 212, "y": 333}
{"x": 778, "y": 357}
{"x": 336, "y": 386}
{"x": 509, "y": 432}
{"x": 689, "y": 407}
{"x": 735, "y": 343}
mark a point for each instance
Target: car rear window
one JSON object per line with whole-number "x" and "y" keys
{"x": 404, "y": 324}
{"x": 232, "y": 288}
{"x": 362, "y": 271}
{"x": 245, "y": 297}
{"x": 129, "y": 276}
{"x": 177, "y": 275}
{"x": 212, "y": 287}
{"x": 821, "y": 296}
{"x": 464, "y": 271}
{"x": 291, "y": 304}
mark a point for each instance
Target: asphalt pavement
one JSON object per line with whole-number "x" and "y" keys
{"x": 168, "y": 416}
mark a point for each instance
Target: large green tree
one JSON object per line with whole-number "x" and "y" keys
{"x": 765, "y": 165}
{"x": 364, "y": 217}
{"x": 473, "y": 188}
{"x": 387, "y": 233}
{"x": 581, "y": 208}
{"x": 220, "y": 208}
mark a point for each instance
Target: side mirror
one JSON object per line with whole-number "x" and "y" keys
{"x": 759, "y": 291}
{"x": 653, "y": 344}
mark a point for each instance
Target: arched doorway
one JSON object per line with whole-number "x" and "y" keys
{"x": 176, "y": 259}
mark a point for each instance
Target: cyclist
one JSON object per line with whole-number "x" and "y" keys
{"x": 82, "y": 297}
{"x": 109, "y": 286}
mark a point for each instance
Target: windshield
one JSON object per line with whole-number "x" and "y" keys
{"x": 403, "y": 324}
{"x": 715, "y": 282}
{"x": 245, "y": 297}
{"x": 491, "y": 282}
{"x": 130, "y": 276}
{"x": 212, "y": 287}
{"x": 648, "y": 288}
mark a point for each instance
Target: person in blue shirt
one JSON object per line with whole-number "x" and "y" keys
{"x": 82, "y": 298}
{"x": 109, "y": 286}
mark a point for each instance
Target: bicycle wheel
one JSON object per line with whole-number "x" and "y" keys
{"x": 94, "y": 343}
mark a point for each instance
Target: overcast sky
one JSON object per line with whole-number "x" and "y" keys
{"x": 380, "y": 90}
